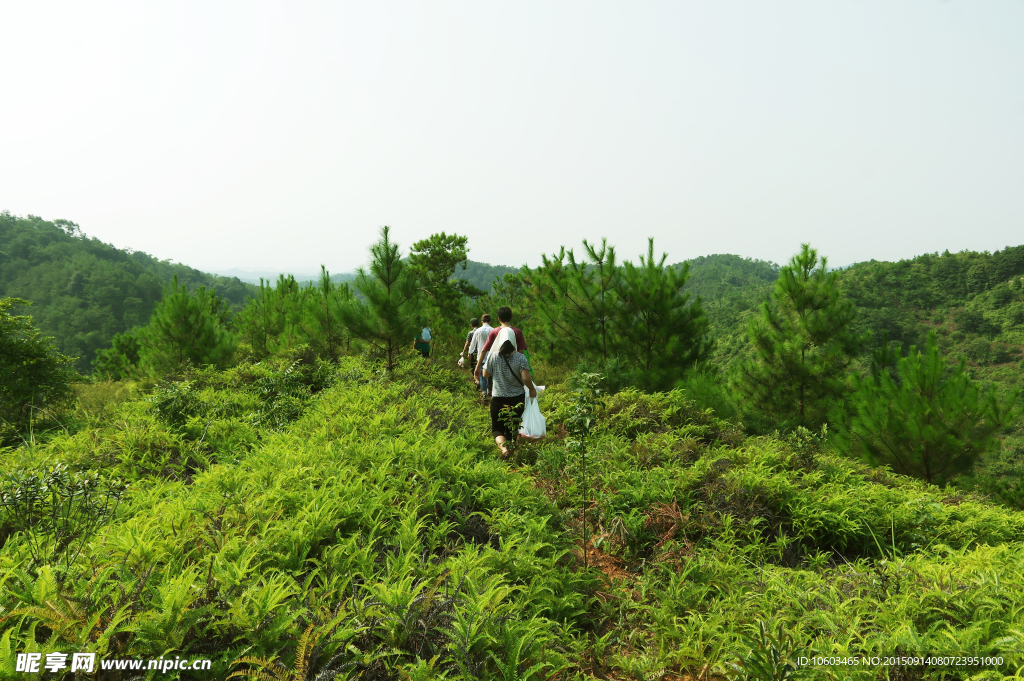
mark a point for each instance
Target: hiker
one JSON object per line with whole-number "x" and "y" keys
{"x": 507, "y": 369}
{"x": 476, "y": 347}
{"x": 475, "y": 323}
{"x": 505, "y": 318}
{"x": 422, "y": 342}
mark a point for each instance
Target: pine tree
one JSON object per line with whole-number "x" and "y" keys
{"x": 121, "y": 359}
{"x": 577, "y": 304}
{"x": 803, "y": 345}
{"x": 925, "y": 418}
{"x": 272, "y": 322}
{"x": 322, "y": 328}
{"x": 186, "y": 327}
{"x": 660, "y": 330}
{"x": 511, "y": 290}
{"x": 386, "y": 321}
{"x": 434, "y": 262}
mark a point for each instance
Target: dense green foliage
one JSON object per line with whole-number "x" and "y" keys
{"x": 634, "y": 322}
{"x": 665, "y": 329}
{"x": 434, "y": 262}
{"x": 287, "y": 317}
{"x": 274, "y": 509}
{"x": 388, "y": 319}
{"x": 803, "y": 346}
{"x": 322, "y": 328}
{"x": 269, "y": 321}
{"x": 975, "y": 300}
{"x": 35, "y": 379}
{"x": 731, "y": 290}
{"x": 186, "y": 327}
{"x": 378, "y": 506}
{"x": 926, "y": 419}
{"x": 722, "y": 276}
{"x": 481, "y": 275}
{"x": 120, "y": 360}
{"x": 704, "y": 536}
{"x": 84, "y": 291}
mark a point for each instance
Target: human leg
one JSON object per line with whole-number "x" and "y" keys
{"x": 500, "y": 429}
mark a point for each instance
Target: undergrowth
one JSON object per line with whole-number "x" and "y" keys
{"x": 326, "y": 521}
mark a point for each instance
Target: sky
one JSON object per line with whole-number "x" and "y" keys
{"x": 283, "y": 135}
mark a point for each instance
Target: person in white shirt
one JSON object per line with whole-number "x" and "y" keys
{"x": 475, "y": 323}
{"x": 479, "y": 340}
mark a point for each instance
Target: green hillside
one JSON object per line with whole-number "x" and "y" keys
{"x": 482, "y": 275}
{"x": 330, "y": 518}
{"x": 84, "y": 291}
{"x": 731, "y": 288}
{"x": 974, "y": 300}
{"x": 721, "y": 276}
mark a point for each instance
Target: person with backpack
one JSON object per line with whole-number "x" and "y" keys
{"x": 511, "y": 377}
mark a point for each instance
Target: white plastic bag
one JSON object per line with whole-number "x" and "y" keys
{"x": 534, "y": 426}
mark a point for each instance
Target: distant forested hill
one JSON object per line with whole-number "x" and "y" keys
{"x": 731, "y": 289}
{"x": 723, "y": 275}
{"x": 82, "y": 290}
{"x": 271, "y": 276}
{"x": 974, "y": 300}
{"x": 482, "y": 275}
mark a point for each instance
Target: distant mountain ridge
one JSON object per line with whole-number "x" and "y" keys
{"x": 254, "y": 276}
{"x": 479, "y": 274}
{"x": 82, "y": 290}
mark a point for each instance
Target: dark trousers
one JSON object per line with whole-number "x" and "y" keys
{"x": 518, "y": 403}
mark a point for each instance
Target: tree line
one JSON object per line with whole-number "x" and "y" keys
{"x": 636, "y": 324}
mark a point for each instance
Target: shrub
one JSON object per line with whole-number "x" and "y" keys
{"x": 35, "y": 379}
{"x": 56, "y": 510}
{"x": 98, "y": 400}
{"x": 926, "y": 419}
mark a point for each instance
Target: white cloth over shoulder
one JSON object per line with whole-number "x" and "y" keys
{"x": 504, "y": 334}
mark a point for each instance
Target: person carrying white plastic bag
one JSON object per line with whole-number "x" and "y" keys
{"x": 510, "y": 374}
{"x": 534, "y": 424}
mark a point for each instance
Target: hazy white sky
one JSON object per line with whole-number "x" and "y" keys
{"x": 283, "y": 135}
